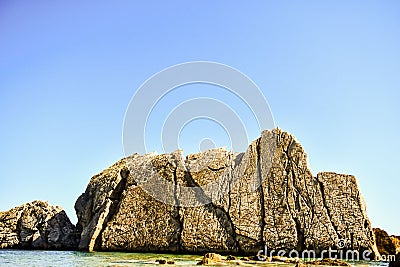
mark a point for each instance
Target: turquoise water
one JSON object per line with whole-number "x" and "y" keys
{"x": 73, "y": 258}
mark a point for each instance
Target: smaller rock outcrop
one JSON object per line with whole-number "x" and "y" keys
{"x": 162, "y": 261}
{"x": 384, "y": 242}
{"x": 211, "y": 259}
{"x": 37, "y": 225}
{"x": 388, "y": 246}
{"x": 230, "y": 258}
{"x": 301, "y": 264}
{"x": 396, "y": 242}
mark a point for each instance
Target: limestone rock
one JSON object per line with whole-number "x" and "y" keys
{"x": 396, "y": 242}
{"x": 211, "y": 259}
{"x": 230, "y": 258}
{"x": 241, "y": 202}
{"x": 300, "y": 264}
{"x": 384, "y": 242}
{"x": 37, "y": 225}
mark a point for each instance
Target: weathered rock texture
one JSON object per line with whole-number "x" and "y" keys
{"x": 274, "y": 200}
{"x": 37, "y": 225}
{"x": 396, "y": 242}
{"x": 387, "y": 245}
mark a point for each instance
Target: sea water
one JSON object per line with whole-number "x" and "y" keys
{"x": 73, "y": 258}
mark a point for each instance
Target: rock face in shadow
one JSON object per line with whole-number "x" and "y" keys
{"x": 37, "y": 225}
{"x": 396, "y": 262}
{"x": 266, "y": 196}
{"x": 387, "y": 245}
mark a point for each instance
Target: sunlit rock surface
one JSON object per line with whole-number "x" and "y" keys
{"x": 37, "y": 225}
{"x": 266, "y": 196}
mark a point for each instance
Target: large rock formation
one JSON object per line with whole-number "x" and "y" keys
{"x": 266, "y": 196}
{"x": 37, "y": 225}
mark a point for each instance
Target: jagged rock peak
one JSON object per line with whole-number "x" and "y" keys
{"x": 266, "y": 196}
{"x": 37, "y": 225}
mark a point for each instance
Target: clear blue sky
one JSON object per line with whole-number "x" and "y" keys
{"x": 330, "y": 71}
